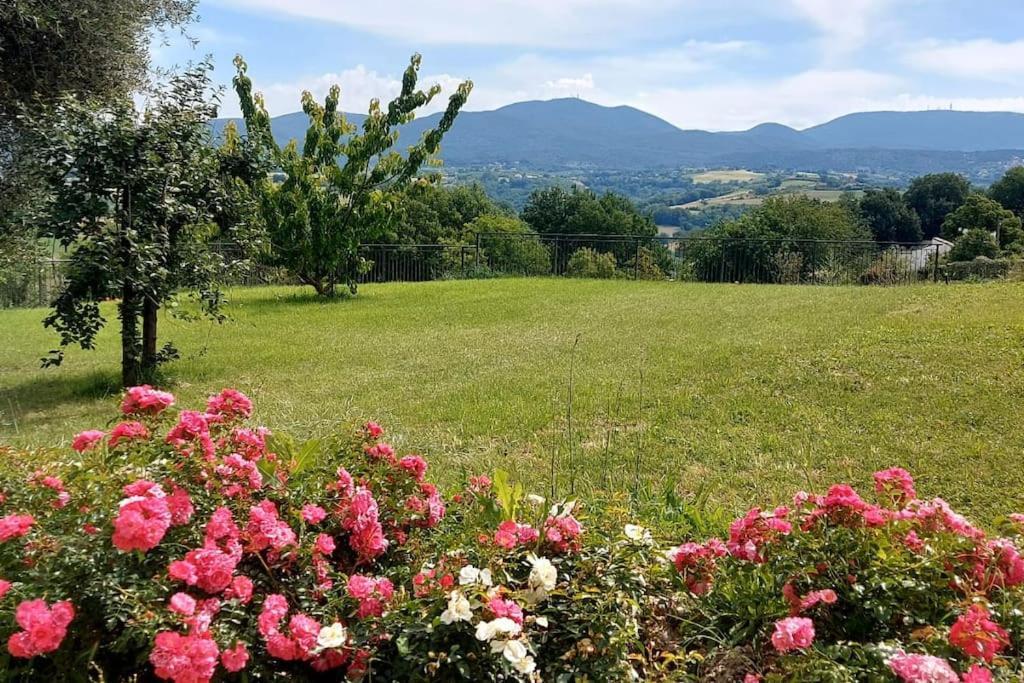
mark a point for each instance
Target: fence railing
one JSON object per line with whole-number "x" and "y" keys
{"x": 703, "y": 259}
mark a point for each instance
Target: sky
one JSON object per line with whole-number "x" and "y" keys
{"x": 712, "y": 65}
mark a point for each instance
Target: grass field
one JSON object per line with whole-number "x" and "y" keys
{"x": 741, "y": 393}
{"x": 727, "y": 176}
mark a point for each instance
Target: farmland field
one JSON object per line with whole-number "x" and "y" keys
{"x": 739, "y": 393}
{"x": 727, "y": 176}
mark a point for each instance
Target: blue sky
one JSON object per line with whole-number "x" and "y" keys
{"x": 721, "y": 65}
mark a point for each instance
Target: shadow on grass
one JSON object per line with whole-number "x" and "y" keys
{"x": 274, "y": 301}
{"x": 24, "y": 403}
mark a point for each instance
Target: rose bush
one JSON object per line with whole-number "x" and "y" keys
{"x": 190, "y": 546}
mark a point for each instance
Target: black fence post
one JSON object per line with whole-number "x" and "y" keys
{"x": 636, "y": 261}
{"x": 935, "y": 266}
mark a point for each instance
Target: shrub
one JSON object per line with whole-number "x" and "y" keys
{"x": 890, "y": 268}
{"x": 972, "y": 244}
{"x": 587, "y": 262}
{"x": 191, "y": 546}
{"x": 981, "y": 268}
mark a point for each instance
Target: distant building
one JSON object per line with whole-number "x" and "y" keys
{"x": 918, "y": 256}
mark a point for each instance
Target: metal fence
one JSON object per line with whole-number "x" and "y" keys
{"x": 710, "y": 259}
{"x": 702, "y": 259}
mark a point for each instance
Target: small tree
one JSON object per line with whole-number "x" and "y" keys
{"x": 981, "y": 213}
{"x": 138, "y": 197}
{"x": 935, "y": 196}
{"x": 972, "y": 244}
{"x": 341, "y": 189}
{"x": 889, "y": 217}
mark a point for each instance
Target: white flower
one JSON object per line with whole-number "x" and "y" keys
{"x": 535, "y": 500}
{"x": 459, "y": 609}
{"x": 331, "y": 636}
{"x": 637, "y": 533}
{"x": 470, "y": 575}
{"x": 543, "y": 575}
{"x": 502, "y": 626}
{"x": 541, "y": 621}
{"x": 518, "y": 656}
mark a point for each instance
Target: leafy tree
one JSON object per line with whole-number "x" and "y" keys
{"x": 981, "y": 213}
{"x": 1009, "y": 190}
{"x": 434, "y": 214}
{"x": 972, "y": 244}
{"x": 889, "y": 217}
{"x": 509, "y": 245}
{"x": 343, "y": 187}
{"x": 51, "y": 49}
{"x": 139, "y": 197}
{"x": 934, "y": 197}
{"x": 556, "y": 211}
{"x": 785, "y": 233}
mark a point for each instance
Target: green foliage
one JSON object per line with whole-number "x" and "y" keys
{"x": 974, "y": 243}
{"x": 582, "y": 212}
{"x": 1009, "y": 190}
{"x": 934, "y": 197}
{"x": 341, "y": 190}
{"x": 509, "y": 247}
{"x": 436, "y": 214}
{"x": 587, "y": 262}
{"x": 981, "y": 213}
{"x": 889, "y": 217}
{"x": 139, "y": 197}
{"x": 980, "y": 269}
{"x": 761, "y": 240}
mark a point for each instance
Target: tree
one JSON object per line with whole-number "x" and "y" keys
{"x": 784, "y": 239}
{"x": 554, "y": 210}
{"x": 1009, "y": 190}
{"x": 52, "y": 49}
{"x": 981, "y": 213}
{"x": 934, "y": 197}
{"x": 889, "y": 217}
{"x": 139, "y": 197}
{"x": 343, "y": 187}
{"x": 509, "y": 245}
{"x": 972, "y": 244}
{"x": 434, "y": 214}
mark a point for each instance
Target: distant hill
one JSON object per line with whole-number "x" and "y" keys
{"x": 567, "y": 133}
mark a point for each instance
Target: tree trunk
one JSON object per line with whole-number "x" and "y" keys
{"x": 149, "y": 320}
{"x": 131, "y": 348}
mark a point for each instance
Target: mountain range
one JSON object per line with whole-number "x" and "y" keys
{"x": 573, "y": 133}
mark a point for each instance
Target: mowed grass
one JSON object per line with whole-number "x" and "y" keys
{"x": 741, "y": 394}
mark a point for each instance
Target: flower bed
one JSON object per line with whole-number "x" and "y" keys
{"x": 191, "y": 546}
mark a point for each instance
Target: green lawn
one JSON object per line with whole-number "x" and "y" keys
{"x": 744, "y": 392}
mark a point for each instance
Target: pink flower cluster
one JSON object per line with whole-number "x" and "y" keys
{"x": 15, "y": 526}
{"x": 511, "y": 534}
{"x": 563, "y": 533}
{"x": 87, "y": 440}
{"x": 503, "y": 607}
{"x": 915, "y": 668}
{"x": 184, "y": 658}
{"x": 793, "y": 633}
{"x": 267, "y": 530}
{"x": 799, "y": 604}
{"x": 125, "y": 432}
{"x": 696, "y": 563}
{"x": 977, "y": 635}
{"x": 192, "y": 432}
{"x": 229, "y": 404}
{"x": 361, "y": 518}
{"x": 373, "y": 594}
{"x": 299, "y": 642}
{"x": 43, "y": 627}
{"x": 145, "y": 400}
{"x": 142, "y": 518}
{"x": 749, "y": 534}
{"x": 896, "y": 483}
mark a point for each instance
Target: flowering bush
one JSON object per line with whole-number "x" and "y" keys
{"x": 839, "y": 587}
{"x": 190, "y": 546}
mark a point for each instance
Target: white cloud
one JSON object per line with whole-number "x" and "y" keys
{"x": 982, "y": 59}
{"x": 845, "y": 25}
{"x": 549, "y": 23}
